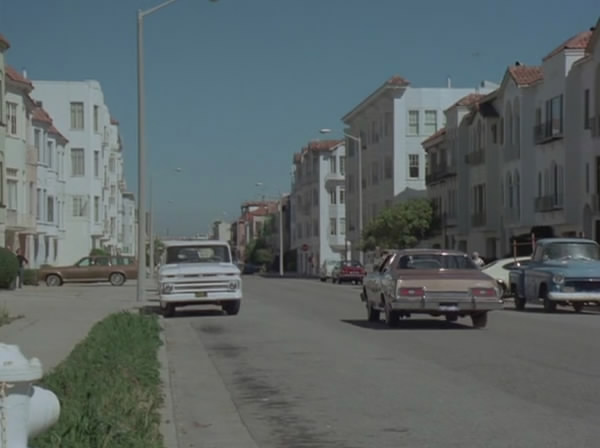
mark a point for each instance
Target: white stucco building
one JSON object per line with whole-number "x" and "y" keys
{"x": 318, "y": 205}
{"x": 129, "y": 224}
{"x": 79, "y": 111}
{"x": 221, "y": 231}
{"x": 4, "y": 45}
{"x": 392, "y": 123}
{"x": 49, "y": 206}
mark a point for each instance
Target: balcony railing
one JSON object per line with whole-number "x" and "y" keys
{"x": 478, "y": 219}
{"x": 548, "y": 203}
{"x": 547, "y": 131}
{"x": 475, "y": 157}
{"x": 440, "y": 172}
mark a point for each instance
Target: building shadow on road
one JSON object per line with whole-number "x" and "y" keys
{"x": 409, "y": 324}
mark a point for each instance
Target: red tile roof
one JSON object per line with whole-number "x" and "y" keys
{"x": 4, "y": 41}
{"x": 434, "y": 136}
{"x": 114, "y": 121}
{"x": 53, "y": 131}
{"x": 578, "y": 42}
{"x": 18, "y": 77}
{"x": 398, "y": 81}
{"x": 525, "y": 75}
{"x": 323, "y": 145}
{"x": 39, "y": 114}
{"x": 469, "y": 100}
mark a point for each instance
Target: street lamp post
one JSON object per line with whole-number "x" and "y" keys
{"x": 357, "y": 140}
{"x": 142, "y": 148}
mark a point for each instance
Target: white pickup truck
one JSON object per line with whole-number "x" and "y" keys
{"x": 198, "y": 272}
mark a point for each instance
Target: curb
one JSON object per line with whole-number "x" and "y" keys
{"x": 167, "y": 423}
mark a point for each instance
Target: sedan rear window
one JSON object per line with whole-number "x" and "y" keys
{"x": 435, "y": 261}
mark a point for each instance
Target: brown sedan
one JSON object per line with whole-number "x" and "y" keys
{"x": 430, "y": 281}
{"x": 113, "y": 269}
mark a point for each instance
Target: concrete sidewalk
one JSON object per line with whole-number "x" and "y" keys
{"x": 56, "y": 319}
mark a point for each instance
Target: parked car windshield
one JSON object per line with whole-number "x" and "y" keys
{"x": 578, "y": 251}
{"x": 198, "y": 254}
{"x": 435, "y": 261}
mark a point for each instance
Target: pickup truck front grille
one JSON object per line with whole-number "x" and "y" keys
{"x": 584, "y": 285}
{"x": 206, "y": 285}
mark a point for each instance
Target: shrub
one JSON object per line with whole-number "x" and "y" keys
{"x": 9, "y": 268}
{"x": 31, "y": 277}
{"x": 98, "y": 253}
{"x": 109, "y": 387}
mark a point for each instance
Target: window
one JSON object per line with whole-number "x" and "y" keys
{"x": 38, "y": 212}
{"x": 77, "y": 121}
{"x": 111, "y": 164}
{"x": 79, "y": 206}
{"x": 494, "y": 130}
{"x": 342, "y": 226}
{"x": 77, "y": 162}
{"x": 96, "y": 208}
{"x": 430, "y": 122}
{"x": 554, "y": 116}
{"x": 342, "y": 196}
{"x": 96, "y": 117}
{"x": 50, "y": 208}
{"x": 413, "y": 166}
{"x": 413, "y": 122}
{"x": 37, "y": 143}
{"x": 12, "y": 187}
{"x": 50, "y": 153}
{"x": 333, "y": 226}
{"x": 375, "y": 173}
{"x": 11, "y": 117}
{"x": 342, "y": 165}
{"x": 332, "y": 197}
{"x": 96, "y": 163}
{"x": 388, "y": 168}
{"x": 332, "y": 164}
{"x": 586, "y": 109}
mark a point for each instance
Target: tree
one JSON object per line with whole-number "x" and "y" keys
{"x": 258, "y": 252}
{"x": 399, "y": 227}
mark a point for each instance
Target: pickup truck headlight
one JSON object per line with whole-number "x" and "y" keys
{"x": 559, "y": 279}
{"x": 233, "y": 285}
{"x": 166, "y": 288}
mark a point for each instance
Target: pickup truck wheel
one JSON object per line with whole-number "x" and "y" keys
{"x": 479, "y": 319}
{"x": 53, "y": 280}
{"x": 373, "y": 315}
{"x": 519, "y": 303}
{"x": 116, "y": 279}
{"x": 232, "y": 307}
{"x": 391, "y": 317}
{"x": 169, "y": 310}
{"x": 578, "y": 307}
{"x": 451, "y": 317}
{"x": 549, "y": 305}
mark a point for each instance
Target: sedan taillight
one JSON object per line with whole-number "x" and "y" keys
{"x": 411, "y": 292}
{"x": 483, "y": 292}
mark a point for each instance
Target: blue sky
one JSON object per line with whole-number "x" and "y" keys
{"x": 235, "y": 88}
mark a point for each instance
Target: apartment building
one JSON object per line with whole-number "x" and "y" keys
{"x": 20, "y": 159}
{"x": 4, "y": 45}
{"x": 250, "y": 225}
{"x": 514, "y": 149}
{"x": 318, "y": 205}
{"x": 391, "y": 123}
{"x": 91, "y": 210}
{"x": 221, "y": 231}
{"x": 129, "y": 224}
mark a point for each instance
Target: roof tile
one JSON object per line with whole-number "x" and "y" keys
{"x": 578, "y": 42}
{"x": 525, "y": 75}
{"x": 4, "y": 41}
{"x": 17, "y": 77}
{"x": 435, "y": 135}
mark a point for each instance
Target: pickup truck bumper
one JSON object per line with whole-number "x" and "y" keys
{"x": 196, "y": 297}
{"x": 446, "y": 306}
{"x": 574, "y": 296}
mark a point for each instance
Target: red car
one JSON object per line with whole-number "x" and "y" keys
{"x": 348, "y": 271}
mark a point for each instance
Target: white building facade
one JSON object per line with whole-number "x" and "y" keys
{"x": 79, "y": 111}
{"x": 318, "y": 205}
{"x": 221, "y": 231}
{"x": 392, "y": 123}
{"x": 129, "y": 224}
{"x": 4, "y": 46}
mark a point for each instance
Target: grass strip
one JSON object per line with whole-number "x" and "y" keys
{"x": 109, "y": 387}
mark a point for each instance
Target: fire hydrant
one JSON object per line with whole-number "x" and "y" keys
{"x": 25, "y": 410}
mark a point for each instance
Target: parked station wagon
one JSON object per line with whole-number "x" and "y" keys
{"x": 114, "y": 269}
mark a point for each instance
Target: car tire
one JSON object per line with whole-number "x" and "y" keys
{"x": 549, "y": 305}
{"x": 116, "y": 279}
{"x": 519, "y": 303}
{"x": 479, "y": 320}
{"x": 392, "y": 317}
{"x": 373, "y": 314}
{"x": 232, "y": 307}
{"x": 169, "y": 310}
{"x": 451, "y": 317}
{"x": 578, "y": 307}
{"x": 53, "y": 280}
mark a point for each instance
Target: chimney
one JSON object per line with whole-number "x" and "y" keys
{"x": 25, "y": 73}
{"x": 517, "y": 63}
{"x": 39, "y": 104}
{"x": 449, "y": 82}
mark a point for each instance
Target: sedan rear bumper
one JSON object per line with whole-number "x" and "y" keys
{"x": 446, "y": 306}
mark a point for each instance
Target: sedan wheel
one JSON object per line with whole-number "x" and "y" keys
{"x": 391, "y": 317}
{"x": 116, "y": 279}
{"x": 373, "y": 315}
{"x": 479, "y": 319}
{"x": 53, "y": 280}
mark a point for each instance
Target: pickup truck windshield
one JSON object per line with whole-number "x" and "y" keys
{"x": 198, "y": 254}
{"x": 435, "y": 261}
{"x": 577, "y": 251}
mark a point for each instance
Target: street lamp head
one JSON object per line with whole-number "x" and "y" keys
{"x": 178, "y": 170}
{"x": 325, "y": 131}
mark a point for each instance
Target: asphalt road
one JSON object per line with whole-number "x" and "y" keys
{"x": 301, "y": 367}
